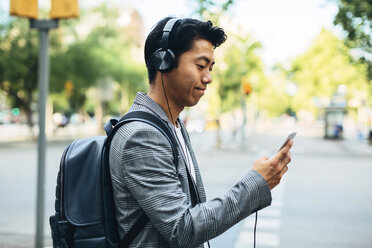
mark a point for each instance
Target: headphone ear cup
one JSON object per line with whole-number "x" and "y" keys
{"x": 163, "y": 60}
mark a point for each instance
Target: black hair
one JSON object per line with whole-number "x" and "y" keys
{"x": 183, "y": 34}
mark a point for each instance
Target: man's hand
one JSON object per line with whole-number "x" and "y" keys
{"x": 274, "y": 168}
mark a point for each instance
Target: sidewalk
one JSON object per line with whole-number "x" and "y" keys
{"x": 267, "y": 139}
{"x": 19, "y": 135}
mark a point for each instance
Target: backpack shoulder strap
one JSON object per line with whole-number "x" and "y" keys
{"x": 111, "y": 127}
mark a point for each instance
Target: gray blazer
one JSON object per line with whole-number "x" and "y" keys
{"x": 145, "y": 179}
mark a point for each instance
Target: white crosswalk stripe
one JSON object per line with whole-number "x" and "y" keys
{"x": 268, "y": 224}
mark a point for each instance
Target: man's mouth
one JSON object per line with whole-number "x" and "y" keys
{"x": 201, "y": 89}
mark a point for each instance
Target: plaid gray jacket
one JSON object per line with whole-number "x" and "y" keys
{"x": 145, "y": 179}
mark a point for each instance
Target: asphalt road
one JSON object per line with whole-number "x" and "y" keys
{"x": 325, "y": 199}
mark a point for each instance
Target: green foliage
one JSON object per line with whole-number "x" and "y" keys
{"x": 206, "y": 5}
{"x": 60, "y": 101}
{"x": 273, "y": 99}
{"x": 236, "y": 59}
{"x": 355, "y": 16}
{"x": 320, "y": 70}
{"x": 18, "y": 64}
{"x": 241, "y": 61}
{"x": 105, "y": 52}
{"x": 210, "y": 10}
{"x": 84, "y": 51}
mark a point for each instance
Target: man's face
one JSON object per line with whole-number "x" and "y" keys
{"x": 187, "y": 83}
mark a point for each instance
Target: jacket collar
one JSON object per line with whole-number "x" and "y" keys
{"x": 144, "y": 100}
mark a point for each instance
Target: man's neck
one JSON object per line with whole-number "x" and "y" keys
{"x": 169, "y": 107}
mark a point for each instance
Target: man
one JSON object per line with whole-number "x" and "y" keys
{"x": 144, "y": 175}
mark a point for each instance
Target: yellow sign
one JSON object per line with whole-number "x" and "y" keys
{"x": 69, "y": 87}
{"x": 247, "y": 86}
{"x": 64, "y": 9}
{"x": 24, "y": 8}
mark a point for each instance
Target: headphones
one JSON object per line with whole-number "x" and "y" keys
{"x": 163, "y": 59}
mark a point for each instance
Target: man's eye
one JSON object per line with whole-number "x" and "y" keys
{"x": 201, "y": 66}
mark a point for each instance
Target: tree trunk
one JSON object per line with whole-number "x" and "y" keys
{"x": 98, "y": 115}
{"x": 218, "y": 133}
{"x": 30, "y": 123}
{"x": 26, "y": 103}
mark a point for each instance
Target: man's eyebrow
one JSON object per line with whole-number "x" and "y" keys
{"x": 206, "y": 59}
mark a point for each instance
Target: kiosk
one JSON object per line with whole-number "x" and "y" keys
{"x": 334, "y": 119}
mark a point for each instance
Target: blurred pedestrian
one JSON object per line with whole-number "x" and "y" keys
{"x": 179, "y": 55}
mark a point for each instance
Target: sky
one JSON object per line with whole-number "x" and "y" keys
{"x": 285, "y": 28}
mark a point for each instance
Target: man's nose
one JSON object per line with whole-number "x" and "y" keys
{"x": 207, "y": 78}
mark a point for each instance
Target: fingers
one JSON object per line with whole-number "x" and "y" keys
{"x": 284, "y": 170}
{"x": 263, "y": 158}
{"x": 287, "y": 147}
{"x": 287, "y": 158}
{"x": 274, "y": 168}
{"x": 283, "y": 153}
{"x": 283, "y": 164}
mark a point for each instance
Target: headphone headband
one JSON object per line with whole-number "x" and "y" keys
{"x": 163, "y": 59}
{"x": 166, "y": 32}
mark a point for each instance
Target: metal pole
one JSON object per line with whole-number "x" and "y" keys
{"x": 43, "y": 27}
{"x": 244, "y": 109}
{"x": 43, "y": 92}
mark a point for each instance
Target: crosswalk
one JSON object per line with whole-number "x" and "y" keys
{"x": 268, "y": 224}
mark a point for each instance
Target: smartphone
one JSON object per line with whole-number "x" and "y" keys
{"x": 289, "y": 137}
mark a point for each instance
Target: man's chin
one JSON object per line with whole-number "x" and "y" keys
{"x": 192, "y": 104}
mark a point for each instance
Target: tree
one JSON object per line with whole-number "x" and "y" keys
{"x": 19, "y": 64}
{"x": 242, "y": 61}
{"x": 355, "y": 17}
{"x": 211, "y": 10}
{"x": 82, "y": 53}
{"x": 322, "y": 68}
{"x": 106, "y": 51}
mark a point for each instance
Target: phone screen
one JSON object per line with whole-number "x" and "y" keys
{"x": 289, "y": 137}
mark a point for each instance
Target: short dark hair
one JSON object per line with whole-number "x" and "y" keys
{"x": 184, "y": 32}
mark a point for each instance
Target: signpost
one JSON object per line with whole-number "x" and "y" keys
{"x": 247, "y": 89}
{"x": 43, "y": 27}
{"x": 60, "y": 9}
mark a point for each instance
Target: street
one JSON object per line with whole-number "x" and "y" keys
{"x": 324, "y": 200}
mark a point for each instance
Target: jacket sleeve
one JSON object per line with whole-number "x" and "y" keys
{"x": 151, "y": 176}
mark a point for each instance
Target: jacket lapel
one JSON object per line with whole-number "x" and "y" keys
{"x": 145, "y": 101}
{"x": 199, "y": 181}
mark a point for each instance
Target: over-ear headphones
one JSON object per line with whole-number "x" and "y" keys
{"x": 163, "y": 59}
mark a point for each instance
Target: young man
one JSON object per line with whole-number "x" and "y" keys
{"x": 179, "y": 55}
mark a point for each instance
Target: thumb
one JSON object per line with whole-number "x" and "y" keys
{"x": 263, "y": 158}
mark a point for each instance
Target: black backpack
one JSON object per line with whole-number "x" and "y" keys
{"x": 84, "y": 205}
